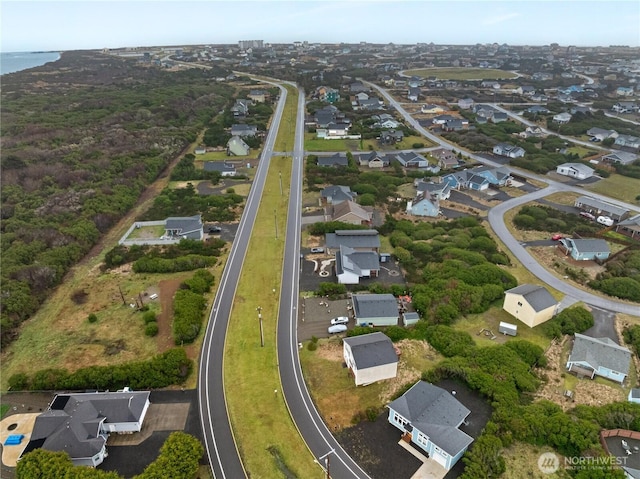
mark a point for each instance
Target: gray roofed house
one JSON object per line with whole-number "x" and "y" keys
{"x": 236, "y": 146}
{"x": 599, "y": 356}
{"x": 575, "y": 170}
{"x": 499, "y": 117}
{"x": 530, "y": 303}
{"x": 628, "y": 141}
{"x": 506, "y": 149}
{"x": 442, "y": 191}
{"x": 336, "y": 194}
{"x": 430, "y": 417}
{"x": 189, "y": 227}
{"x": 630, "y": 226}
{"x": 338, "y": 159}
{"x": 589, "y": 249}
{"x": 372, "y": 159}
{"x": 243, "y": 130}
{"x": 601, "y": 133}
{"x": 621, "y": 157}
{"x": 79, "y": 424}
{"x": 370, "y": 358}
{"x": 351, "y": 265}
{"x": 412, "y": 159}
{"x": 634, "y": 395}
{"x": 361, "y": 240}
{"x": 222, "y": 167}
{"x": 599, "y": 207}
{"x": 375, "y": 309}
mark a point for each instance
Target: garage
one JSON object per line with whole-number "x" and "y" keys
{"x": 440, "y": 456}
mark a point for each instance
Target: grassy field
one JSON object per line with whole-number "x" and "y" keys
{"x": 269, "y": 443}
{"x": 311, "y": 143}
{"x": 462, "y": 73}
{"x": 522, "y": 461}
{"x": 618, "y": 187}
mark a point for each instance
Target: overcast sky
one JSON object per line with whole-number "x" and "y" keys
{"x": 69, "y": 25}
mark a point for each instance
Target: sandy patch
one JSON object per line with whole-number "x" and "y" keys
{"x": 16, "y": 424}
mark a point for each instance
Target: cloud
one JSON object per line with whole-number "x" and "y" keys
{"x": 500, "y": 18}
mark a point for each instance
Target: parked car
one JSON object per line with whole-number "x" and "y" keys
{"x": 214, "y": 229}
{"x": 556, "y": 237}
{"x": 605, "y": 220}
{"x": 340, "y": 320}
{"x": 317, "y": 250}
{"x": 587, "y": 215}
{"x": 337, "y": 328}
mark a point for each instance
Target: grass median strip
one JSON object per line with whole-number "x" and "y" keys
{"x": 259, "y": 417}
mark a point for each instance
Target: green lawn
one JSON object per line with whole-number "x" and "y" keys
{"x": 3, "y": 409}
{"x": 268, "y": 441}
{"x": 462, "y": 73}
{"x": 311, "y": 143}
{"x": 619, "y": 187}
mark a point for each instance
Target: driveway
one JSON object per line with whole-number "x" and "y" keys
{"x": 603, "y": 325}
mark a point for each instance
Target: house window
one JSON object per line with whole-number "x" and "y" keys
{"x": 399, "y": 419}
{"x": 422, "y": 439}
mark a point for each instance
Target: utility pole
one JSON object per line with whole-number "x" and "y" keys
{"x": 259, "y": 309}
{"x": 327, "y": 462}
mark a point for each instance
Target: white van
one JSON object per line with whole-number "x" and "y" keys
{"x": 337, "y": 328}
{"x": 605, "y": 220}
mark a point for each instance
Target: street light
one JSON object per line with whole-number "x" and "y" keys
{"x": 259, "y": 310}
{"x": 326, "y": 462}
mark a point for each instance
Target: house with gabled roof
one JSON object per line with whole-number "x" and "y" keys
{"x": 465, "y": 103}
{"x": 189, "y": 227}
{"x": 466, "y": 179}
{"x": 222, "y": 167}
{"x": 601, "y": 134}
{"x": 370, "y": 358}
{"x": 531, "y": 304}
{"x": 599, "y": 207}
{"x": 335, "y": 160}
{"x": 578, "y": 171}
{"x": 629, "y": 227}
{"x": 537, "y": 110}
{"x": 236, "y": 146}
{"x": 391, "y": 137}
{"x": 628, "y": 140}
{"x": 336, "y": 194}
{"x": 413, "y": 94}
{"x": 372, "y": 159}
{"x": 589, "y": 249}
{"x": 496, "y": 176}
{"x": 599, "y": 357}
{"x": 80, "y": 423}
{"x": 375, "y": 309}
{"x": 352, "y": 213}
{"x": 410, "y": 159}
{"x": 442, "y": 191}
{"x": 432, "y": 109}
{"x": 424, "y": 204}
{"x": 351, "y": 265}
{"x": 506, "y": 149}
{"x": 620, "y": 157}
{"x": 360, "y": 240}
{"x": 446, "y": 158}
{"x": 240, "y": 109}
{"x": 430, "y": 417}
{"x": 562, "y": 118}
{"x": 243, "y": 130}
{"x": 625, "y": 107}
{"x": 259, "y": 96}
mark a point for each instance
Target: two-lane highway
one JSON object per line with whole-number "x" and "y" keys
{"x": 219, "y": 442}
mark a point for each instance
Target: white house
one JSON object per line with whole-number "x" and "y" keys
{"x": 562, "y": 118}
{"x": 575, "y": 170}
{"x": 370, "y": 358}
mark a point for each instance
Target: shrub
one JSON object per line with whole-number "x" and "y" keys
{"x": 312, "y": 346}
{"x": 151, "y": 329}
{"x": 149, "y": 317}
{"x": 372, "y": 414}
{"x": 92, "y": 318}
{"x": 19, "y": 382}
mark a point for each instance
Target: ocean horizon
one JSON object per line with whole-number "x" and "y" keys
{"x": 11, "y": 62}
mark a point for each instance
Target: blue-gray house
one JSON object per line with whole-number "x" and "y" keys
{"x": 430, "y": 418}
{"x": 424, "y": 205}
{"x": 599, "y": 356}
{"x": 339, "y": 159}
{"x": 189, "y": 227}
{"x": 495, "y": 176}
{"x": 466, "y": 179}
{"x": 586, "y": 249}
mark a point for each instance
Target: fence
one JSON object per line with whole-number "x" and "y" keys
{"x": 142, "y": 241}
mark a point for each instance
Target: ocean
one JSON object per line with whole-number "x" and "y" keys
{"x": 15, "y": 61}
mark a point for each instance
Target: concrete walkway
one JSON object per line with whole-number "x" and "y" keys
{"x": 430, "y": 469}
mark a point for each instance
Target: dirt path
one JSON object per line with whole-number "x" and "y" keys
{"x": 168, "y": 289}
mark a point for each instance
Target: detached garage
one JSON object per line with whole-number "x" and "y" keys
{"x": 575, "y": 170}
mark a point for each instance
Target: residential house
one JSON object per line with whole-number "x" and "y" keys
{"x": 358, "y": 86}
{"x": 443, "y": 119}
{"x": 624, "y": 91}
{"x": 360, "y": 240}
{"x": 630, "y": 227}
{"x": 575, "y": 170}
{"x": 430, "y": 417}
{"x": 599, "y": 357}
{"x": 432, "y": 109}
{"x": 361, "y": 96}
{"x": 375, "y": 309}
{"x": 621, "y": 157}
{"x": 601, "y": 134}
{"x": 372, "y": 159}
{"x": 628, "y": 140}
{"x": 391, "y": 137}
{"x": 259, "y": 96}
{"x": 598, "y": 207}
{"x": 446, "y": 158}
{"x": 410, "y": 159}
{"x": 580, "y": 109}
{"x": 352, "y": 213}
{"x": 527, "y": 90}
{"x": 485, "y": 111}
{"x": 240, "y": 109}
{"x": 506, "y": 149}
{"x": 499, "y": 117}
{"x": 370, "y": 104}
{"x": 456, "y": 124}
{"x": 351, "y": 265}
{"x": 236, "y": 146}
{"x": 243, "y": 130}
{"x": 542, "y": 76}
{"x": 466, "y": 179}
{"x": 189, "y": 227}
{"x": 370, "y": 358}
{"x": 327, "y": 94}
{"x": 334, "y": 131}
{"x": 634, "y": 396}
{"x": 442, "y": 191}
{"x": 590, "y": 249}
{"x": 424, "y": 204}
{"x": 80, "y": 423}
{"x": 413, "y": 94}
{"x": 335, "y": 160}
{"x": 389, "y": 123}
{"x": 537, "y": 110}
{"x": 531, "y": 304}
{"x": 496, "y": 176}
{"x": 532, "y": 132}
{"x": 625, "y": 107}
{"x": 541, "y": 97}
{"x": 562, "y": 118}
{"x": 336, "y": 194}
{"x": 490, "y": 84}
{"x": 222, "y": 167}
{"x": 200, "y": 150}
{"x": 465, "y": 103}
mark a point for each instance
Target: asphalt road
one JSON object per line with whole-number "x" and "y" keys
{"x": 315, "y": 433}
{"x": 219, "y": 442}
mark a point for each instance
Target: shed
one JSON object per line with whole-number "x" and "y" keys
{"x": 410, "y": 318}
{"x": 508, "y": 328}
